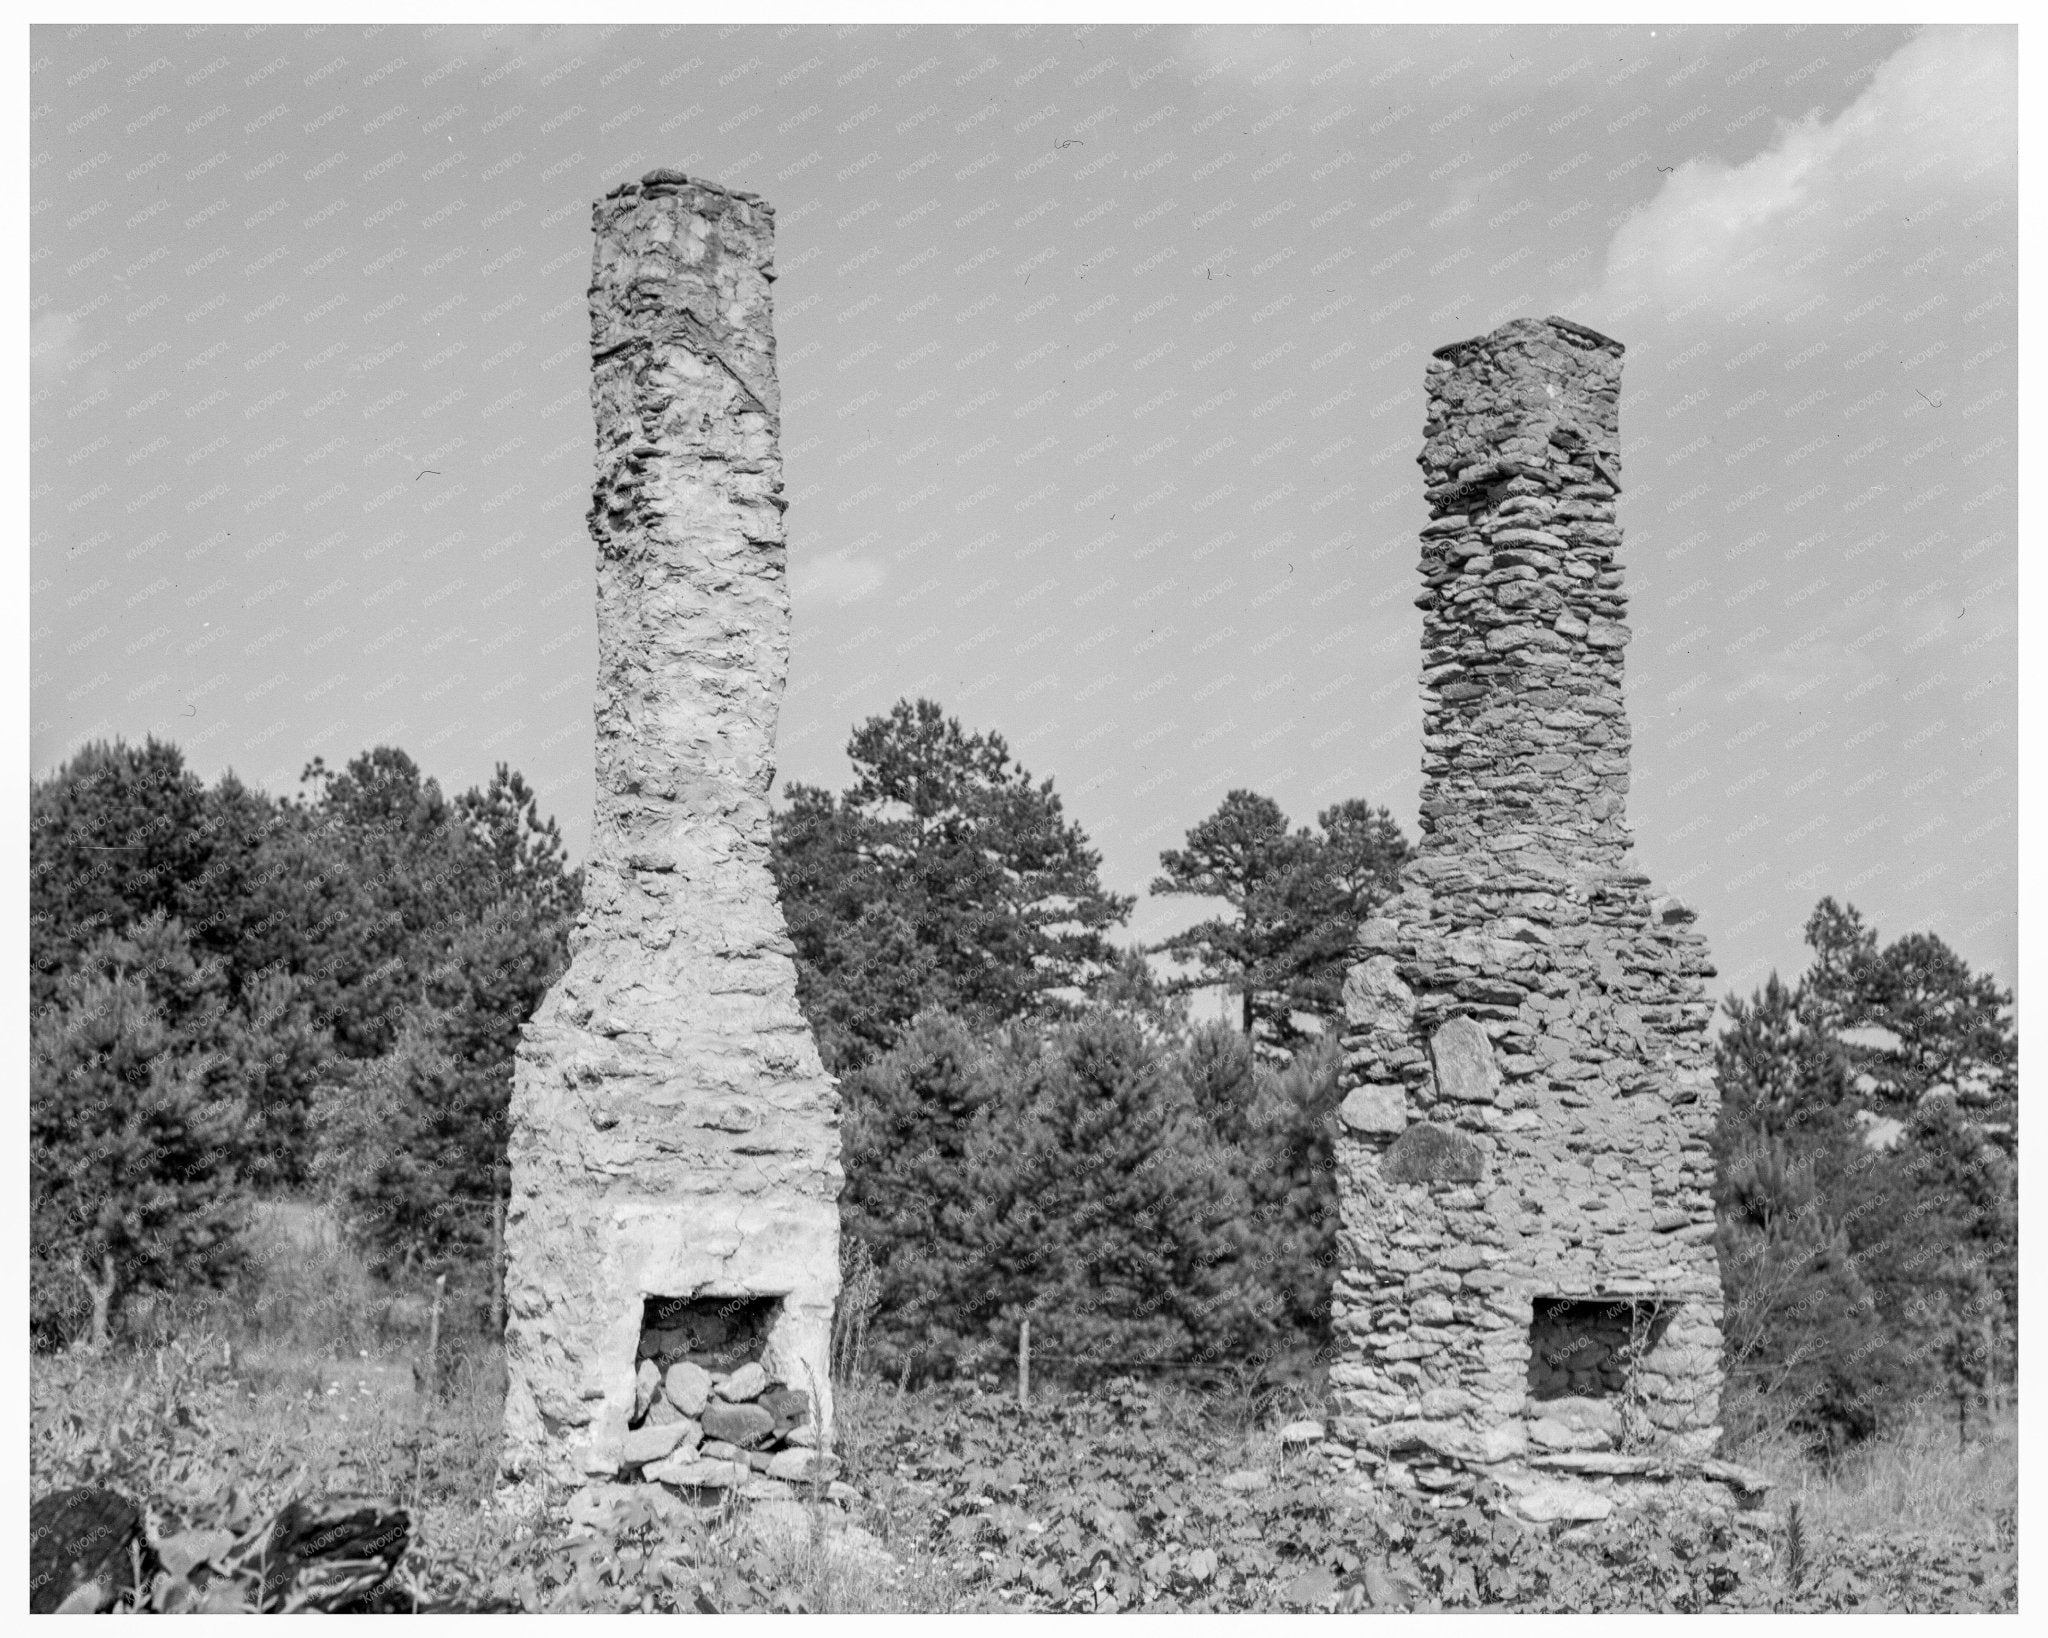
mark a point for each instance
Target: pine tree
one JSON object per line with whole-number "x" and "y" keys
{"x": 904, "y": 1130}
{"x": 1106, "y": 1209}
{"x": 945, "y": 877}
{"x": 136, "y": 1138}
{"x": 1244, "y": 854}
{"x": 115, "y": 834}
{"x": 1298, "y": 898}
{"x": 1291, "y": 1174}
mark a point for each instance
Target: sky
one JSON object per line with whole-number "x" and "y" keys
{"x": 1102, "y": 355}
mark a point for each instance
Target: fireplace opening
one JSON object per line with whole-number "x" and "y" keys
{"x": 1587, "y": 1348}
{"x": 708, "y": 1409}
{"x": 715, "y": 1333}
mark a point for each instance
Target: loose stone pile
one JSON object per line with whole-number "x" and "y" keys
{"x": 674, "y": 1133}
{"x": 706, "y": 1413}
{"x": 1528, "y": 1274}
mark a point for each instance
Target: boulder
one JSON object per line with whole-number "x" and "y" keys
{"x": 1375, "y": 1111}
{"x": 646, "y": 1381}
{"x": 1428, "y": 1153}
{"x": 742, "y": 1425}
{"x": 662, "y": 1413}
{"x": 789, "y": 1406}
{"x": 1305, "y": 1432}
{"x": 688, "y": 1387}
{"x": 748, "y": 1382}
{"x": 1376, "y": 997}
{"x": 1246, "y": 1480}
{"x": 651, "y": 1444}
{"x": 1462, "y": 1057}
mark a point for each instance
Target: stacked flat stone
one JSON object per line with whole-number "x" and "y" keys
{"x": 673, "y": 1130}
{"x": 1530, "y": 1082}
{"x": 696, "y": 1427}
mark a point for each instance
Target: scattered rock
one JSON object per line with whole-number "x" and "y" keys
{"x": 1247, "y": 1480}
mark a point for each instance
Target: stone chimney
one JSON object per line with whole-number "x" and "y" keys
{"x": 1528, "y": 1283}
{"x": 675, "y": 1143}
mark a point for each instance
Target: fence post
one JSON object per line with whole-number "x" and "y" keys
{"x": 1024, "y": 1366}
{"x": 433, "y": 1383}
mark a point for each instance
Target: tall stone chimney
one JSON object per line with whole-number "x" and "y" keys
{"x": 1528, "y": 1277}
{"x": 675, "y": 1145}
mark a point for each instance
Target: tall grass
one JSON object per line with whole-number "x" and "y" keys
{"x": 1916, "y": 1479}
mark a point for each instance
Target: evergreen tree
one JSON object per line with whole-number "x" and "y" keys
{"x": 415, "y": 1140}
{"x": 114, "y": 835}
{"x": 1856, "y": 1264}
{"x": 905, "y": 1124}
{"x": 1352, "y": 866}
{"x": 1298, "y": 898}
{"x": 136, "y": 1138}
{"x": 1244, "y": 855}
{"x": 1106, "y": 1210}
{"x": 994, "y": 908}
{"x": 1291, "y": 1175}
{"x": 1216, "y": 1066}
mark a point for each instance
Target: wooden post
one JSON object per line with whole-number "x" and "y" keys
{"x": 433, "y": 1383}
{"x": 1024, "y": 1366}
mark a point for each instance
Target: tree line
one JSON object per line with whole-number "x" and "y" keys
{"x": 236, "y": 996}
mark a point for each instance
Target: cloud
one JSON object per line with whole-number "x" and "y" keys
{"x": 837, "y": 577}
{"x": 1834, "y": 209}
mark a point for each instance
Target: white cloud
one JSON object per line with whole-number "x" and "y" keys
{"x": 1833, "y": 209}
{"x": 837, "y": 577}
